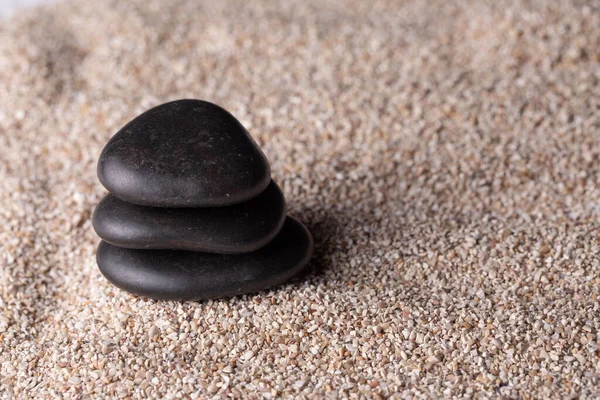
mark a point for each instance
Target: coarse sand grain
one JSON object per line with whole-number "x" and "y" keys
{"x": 445, "y": 155}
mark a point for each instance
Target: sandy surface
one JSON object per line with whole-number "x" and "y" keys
{"x": 445, "y": 155}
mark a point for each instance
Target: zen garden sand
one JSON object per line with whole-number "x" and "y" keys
{"x": 444, "y": 154}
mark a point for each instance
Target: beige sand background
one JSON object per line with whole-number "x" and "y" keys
{"x": 445, "y": 154}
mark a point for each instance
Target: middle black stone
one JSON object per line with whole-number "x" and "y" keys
{"x": 240, "y": 228}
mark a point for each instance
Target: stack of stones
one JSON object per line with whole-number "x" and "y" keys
{"x": 192, "y": 212}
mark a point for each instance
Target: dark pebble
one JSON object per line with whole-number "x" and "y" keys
{"x": 188, "y": 275}
{"x": 186, "y": 153}
{"x": 240, "y": 228}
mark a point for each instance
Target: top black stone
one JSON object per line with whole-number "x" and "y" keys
{"x": 186, "y": 153}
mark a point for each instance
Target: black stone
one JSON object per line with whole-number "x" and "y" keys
{"x": 240, "y": 228}
{"x": 190, "y": 275}
{"x": 186, "y": 153}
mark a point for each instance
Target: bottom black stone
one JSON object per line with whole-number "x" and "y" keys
{"x": 190, "y": 275}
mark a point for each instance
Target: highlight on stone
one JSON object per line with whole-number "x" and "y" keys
{"x": 193, "y": 213}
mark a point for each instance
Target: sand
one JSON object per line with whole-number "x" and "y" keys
{"x": 445, "y": 155}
